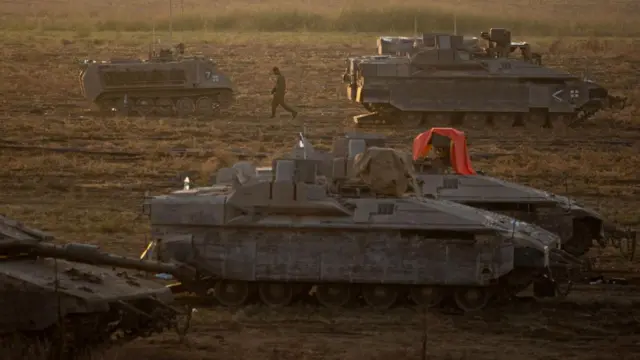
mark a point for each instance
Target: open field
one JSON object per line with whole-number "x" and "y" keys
{"x": 93, "y": 192}
{"x": 533, "y": 17}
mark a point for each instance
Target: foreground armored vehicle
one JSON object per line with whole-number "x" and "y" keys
{"x": 444, "y": 80}
{"x": 167, "y": 83}
{"x": 450, "y": 175}
{"x": 346, "y": 229}
{"x": 52, "y": 292}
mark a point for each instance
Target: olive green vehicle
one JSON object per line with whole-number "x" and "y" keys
{"x": 445, "y": 79}
{"x": 343, "y": 232}
{"x": 168, "y": 83}
{"x": 55, "y": 299}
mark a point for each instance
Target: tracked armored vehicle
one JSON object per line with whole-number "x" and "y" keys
{"x": 346, "y": 231}
{"x": 54, "y": 299}
{"x": 443, "y": 79}
{"x": 168, "y": 83}
{"x": 449, "y": 175}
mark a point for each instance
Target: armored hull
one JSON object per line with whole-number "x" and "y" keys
{"x": 290, "y": 235}
{"x": 73, "y": 306}
{"x": 164, "y": 86}
{"x": 451, "y": 83}
{"x": 576, "y": 225}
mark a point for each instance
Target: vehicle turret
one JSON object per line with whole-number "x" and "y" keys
{"x": 447, "y": 79}
{"x": 47, "y": 288}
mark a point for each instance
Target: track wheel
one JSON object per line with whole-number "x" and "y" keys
{"x": 502, "y": 120}
{"x": 144, "y": 106}
{"x": 429, "y": 296}
{"x": 232, "y": 293}
{"x": 472, "y": 298}
{"x": 206, "y": 106}
{"x": 185, "y": 106}
{"x": 223, "y": 101}
{"x": 276, "y": 294}
{"x": 457, "y": 119}
{"x": 380, "y": 296}
{"x": 164, "y": 107}
{"x": 437, "y": 119}
{"x": 106, "y": 106}
{"x": 539, "y": 118}
{"x": 411, "y": 119}
{"x": 334, "y": 295}
{"x": 476, "y": 119}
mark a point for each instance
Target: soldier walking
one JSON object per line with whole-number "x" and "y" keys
{"x": 278, "y": 95}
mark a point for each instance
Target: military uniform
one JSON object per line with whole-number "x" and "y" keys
{"x": 278, "y": 95}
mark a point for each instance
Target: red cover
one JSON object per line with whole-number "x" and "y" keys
{"x": 459, "y": 154}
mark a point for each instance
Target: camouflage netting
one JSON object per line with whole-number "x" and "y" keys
{"x": 385, "y": 170}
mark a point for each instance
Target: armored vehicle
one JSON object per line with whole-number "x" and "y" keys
{"x": 55, "y": 293}
{"x": 346, "y": 231}
{"x": 443, "y": 80}
{"x": 450, "y": 175}
{"x": 167, "y": 83}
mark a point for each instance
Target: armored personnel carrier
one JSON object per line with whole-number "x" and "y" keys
{"x": 55, "y": 294}
{"x": 167, "y": 83}
{"x": 347, "y": 231}
{"x": 444, "y": 79}
{"x": 450, "y": 175}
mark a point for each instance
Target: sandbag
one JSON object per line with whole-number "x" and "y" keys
{"x": 386, "y": 171}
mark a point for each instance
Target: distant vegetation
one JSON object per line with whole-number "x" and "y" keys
{"x": 530, "y": 17}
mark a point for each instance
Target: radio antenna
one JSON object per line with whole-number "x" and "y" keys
{"x": 455, "y": 24}
{"x": 170, "y": 21}
{"x": 152, "y": 47}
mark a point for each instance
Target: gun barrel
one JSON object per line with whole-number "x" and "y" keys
{"x": 90, "y": 254}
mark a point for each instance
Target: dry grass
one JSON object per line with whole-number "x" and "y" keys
{"x": 96, "y": 198}
{"x": 533, "y": 17}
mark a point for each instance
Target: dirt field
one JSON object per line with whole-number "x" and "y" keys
{"x": 91, "y": 188}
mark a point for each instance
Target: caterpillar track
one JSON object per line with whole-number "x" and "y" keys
{"x": 388, "y": 116}
{"x": 274, "y": 294}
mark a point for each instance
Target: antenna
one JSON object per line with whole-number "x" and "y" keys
{"x": 586, "y": 76}
{"x": 170, "y": 21}
{"x": 415, "y": 27}
{"x": 455, "y": 24}
{"x": 182, "y": 20}
{"x": 152, "y": 47}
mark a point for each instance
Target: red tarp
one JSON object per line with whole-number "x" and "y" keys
{"x": 460, "y": 160}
